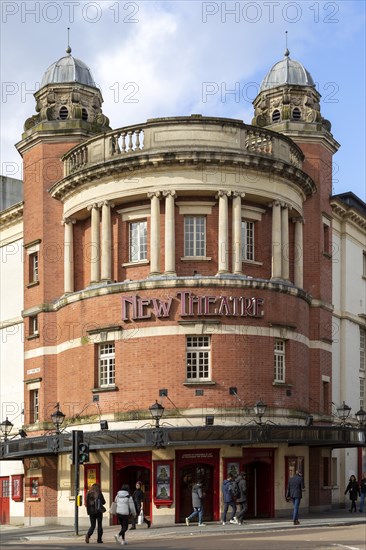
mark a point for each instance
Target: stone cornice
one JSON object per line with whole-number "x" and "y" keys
{"x": 348, "y": 214}
{"x": 141, "y": 160}
{"x": 11, "y": 215}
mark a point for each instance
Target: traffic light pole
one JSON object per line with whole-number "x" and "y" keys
{"x": 77, "y": 437}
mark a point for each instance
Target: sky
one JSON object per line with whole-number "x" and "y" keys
{"x": 172, "y": 58}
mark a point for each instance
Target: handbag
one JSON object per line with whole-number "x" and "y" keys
{"x": 140, "y": 519}
{"x": 113, "y": 508}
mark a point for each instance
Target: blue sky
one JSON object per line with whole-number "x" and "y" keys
{"x": 154, "y": 59}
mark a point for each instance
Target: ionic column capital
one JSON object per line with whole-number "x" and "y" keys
{"x": 236, "y": 194}
{"x": 66, "y": 221}
{"x": 274, "y": 203}
{"x": 169, "y": 193}
{"x": 222, "y": 193}
{"x": 105, "y": 203}
{"x": 154, "y": 194}
{"x": 93, "y": 206}
{"x": 298, "y": 219}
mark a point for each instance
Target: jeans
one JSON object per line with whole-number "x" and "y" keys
{"x": 362, "y": 501}
{"x": 296, "y": 503}
{"x": 94, "y": 518}
{"x": 226, "y": 507}
{"x": 242, "y": 510}
{"x": 197, "y": 511}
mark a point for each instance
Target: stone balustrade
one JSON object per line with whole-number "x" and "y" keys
{"x": 177, "y": 134}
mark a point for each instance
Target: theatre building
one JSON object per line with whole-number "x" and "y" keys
{"x": 180, "y": 266}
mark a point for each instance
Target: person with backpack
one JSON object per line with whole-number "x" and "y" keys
{"x": 94, "y": 503}
{"x": 229, "y": 488}
{"x": 241, "y": 499}
{"x": 197, "y": 503}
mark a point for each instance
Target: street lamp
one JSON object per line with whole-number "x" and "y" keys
{"x": 361, "y": 417}
{"x": 260, "y": 409}
{"x": 343, "y": 412}
{"x": 6, "y": 426}
{"x": 57, "y": 418}
{"x": 156, "y": 411}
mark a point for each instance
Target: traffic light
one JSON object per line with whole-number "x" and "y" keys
{"x": 83, "y": 452}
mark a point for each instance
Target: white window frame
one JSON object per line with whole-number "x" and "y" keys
{"x": 106, "y": 364}
{"x": 33, "y": 325}
{"x": 194, "y": 236}
{"x": 362, "y": 349}
{"x": 248, "y": 240}
{"x": 34, "y": 404}
{"x": 198, "y": 358}
{"x": 34, "y": 267}
{"x": 137, "y": 249}
{"x": 279, "y": 360}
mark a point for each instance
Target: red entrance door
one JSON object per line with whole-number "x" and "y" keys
{"x": 258, "y": 464}
{"x": 129, "y": 468}
{"x": 4, "y": 500}
{"x": 191, "y": 466}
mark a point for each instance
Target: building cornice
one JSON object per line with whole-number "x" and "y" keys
{"x": 11, "y": 215}
{"x": 347, "y": 213}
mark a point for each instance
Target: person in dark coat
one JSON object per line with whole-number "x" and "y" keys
{"x": 94, "y": 506}
{"x": 353, "y": 489}
{"x": 197, "y": 503}
{"x": 228, "y": 495}
{"x": 363, "y": 491}
{"x": 294, "y": 492}
{"x": 138, "y": 498}
{"x": 242, "y": 498}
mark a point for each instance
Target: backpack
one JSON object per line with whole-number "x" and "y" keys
{"x": 234, "y": 488}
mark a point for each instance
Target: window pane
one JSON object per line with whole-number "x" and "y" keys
{"x": 138, "y": 241}
{"x": 279, "y": 361}
{"x": 198, "y": 357}
{"x": 106, "y": 364}
{"x": 194, "y": 236}
{"x": 247, "y": 237}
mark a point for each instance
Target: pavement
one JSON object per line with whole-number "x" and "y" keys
{"x": 58, "y": 533}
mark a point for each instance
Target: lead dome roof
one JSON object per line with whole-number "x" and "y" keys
{"x": 68, "y": 69}
{"x": 287, "y": 71}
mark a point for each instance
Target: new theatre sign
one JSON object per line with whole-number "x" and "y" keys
{"x": 188, "y": 304}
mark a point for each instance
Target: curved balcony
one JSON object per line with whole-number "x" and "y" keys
{"x": 184, "y": 140}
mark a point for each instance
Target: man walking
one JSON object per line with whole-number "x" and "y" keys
{"x": 197, "y": 503}
{"x": 294, "y": 492}
{"x": 241, "y": 499}
{"x": 228, "y": 494}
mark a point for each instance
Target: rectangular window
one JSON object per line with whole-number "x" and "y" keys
{"x": 362, "y": 349}
{"x": 364, "y": 264}
{"x": 34, "y": 406}
{"x": 106, "y": 364}
{"x": 326, "y": 471}
{"x": 138, "y": 241}
{"x": 279, "y": 361}
{"x": 195, "y": 236}
{"x": 33, "y": 325}
{"x": 326, "y": 392}
{"x": 362, "y": 393}
{"x": 334, "y": 471}
{"x": 33, "y": 267}
{"x": 198, "y": 358}
{"x": 247, "y": 238}
{"x": 326, "y": 237}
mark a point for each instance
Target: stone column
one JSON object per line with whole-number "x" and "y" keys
{"x": 155, "y": 233}
{"x": 285, "y": 242}
{"x": 68, "y": 255}
{"x": 169, "y": 233}
{"x": 106, "y": 274}
{"x": 276, "y": 240}
{"x": 94, "y": 254}
{"x": 299, "y": 253}
{"x": 237, "y": 244}
{"x": 223, "y": 240}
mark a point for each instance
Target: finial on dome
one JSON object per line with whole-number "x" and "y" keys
{"x": 68, "y": 49}
{"x": 287, "y": 53}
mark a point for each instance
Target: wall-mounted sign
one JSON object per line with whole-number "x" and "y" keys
{"x": 190, "y": 305}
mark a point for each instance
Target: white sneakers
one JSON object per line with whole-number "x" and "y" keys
{"x": 201, "y": 525}
{"x": 187, "y": 522}
{"x": 119, "y": 540}
{"x": 234, "y": 521}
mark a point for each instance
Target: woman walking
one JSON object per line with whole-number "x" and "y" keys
{"x": 95, "y": 507}
{"x": 125, "y": 507}
{"x": 353, "y": 489}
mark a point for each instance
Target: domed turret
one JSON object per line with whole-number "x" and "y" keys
{"x": 68, "y": 69}
{"x": 288, "y": 99}
{"x": 287, "y": 71}
{"x": 68, "y": 94}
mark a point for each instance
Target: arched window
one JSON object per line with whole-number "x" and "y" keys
{"x": 276, "y": 115}
{"x": 84, "y": 114}
{"x": 64, "y": 113}
{"x": 296, "y": 114}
